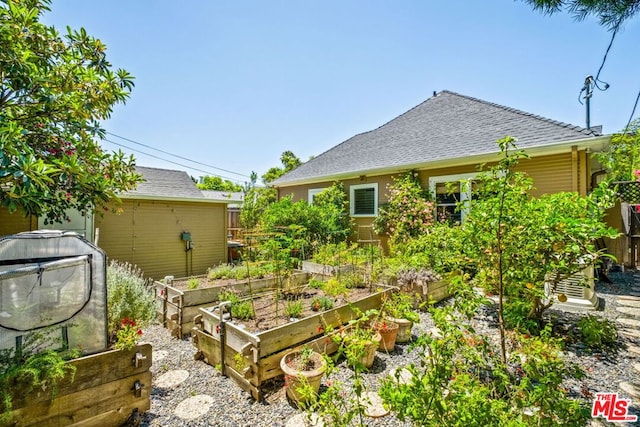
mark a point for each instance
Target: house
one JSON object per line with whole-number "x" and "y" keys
{"x": 166, "y": 226}
{"x": 444, "y": 140}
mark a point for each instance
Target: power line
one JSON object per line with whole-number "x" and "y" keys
{"x": 170, "y": 161}
{"x": 175, "y": 155}
{"x": 635, "y": 105}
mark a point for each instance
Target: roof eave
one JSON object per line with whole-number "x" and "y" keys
{"x": 171, "y": 199}
{"x": 590, "y": 143}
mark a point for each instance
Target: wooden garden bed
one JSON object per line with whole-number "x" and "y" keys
{"x": 324, "y": 269}
{"x": 177, "y": 306}
{"x": 251, "y": 358}
{"x": 107, "y": 389}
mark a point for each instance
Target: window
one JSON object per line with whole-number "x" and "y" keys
{"x": 364, "y": 199}
{"x": 449, "y": 190}
{"x": 312, "y": 193}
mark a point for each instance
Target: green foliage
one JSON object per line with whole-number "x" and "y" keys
{"x": 610, "y": 14}
{"x": 289, "y": 162}
{"x": 621, "y": 158}
{"x": 256, "y": 201}
{"x": 518, "y": 242}
{"x": 441, "y": 250}
{"x": 597, "y": 333}
{"x": 193, "y": 283}
{"x": 218, "y": 184}
{"x": 128, "y": 297}
{"x": 240, "y": 271}
{"x": 324, "y": 221}
{"x": 334, "y": 287}
{"x": 400, "y": 305}
{"x": 343, "y": 253}
{"x": 35, "y": 366}
{"x": 321, "y": 304}
{"x": 408, "y": 213}
{"x": 243, "y": 310}
{"x": 54, "y": 91}
{"x": 127, "y": 335}
{"x": 461, "y": 380}
{"x": 293, "y": 309}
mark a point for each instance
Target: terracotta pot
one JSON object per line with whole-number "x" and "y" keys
{"x": 388, "y": 331}
{"x": 368, "y": 351}
{"x": 404, "y": 329}
{"x": 296, "y": 378}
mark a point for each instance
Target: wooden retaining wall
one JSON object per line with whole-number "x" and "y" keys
{"x": 107, "y": 390}
{"x": 177, "y": 308}
{"x": 261, "y": 352}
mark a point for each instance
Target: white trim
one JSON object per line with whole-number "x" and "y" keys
{"x": 312, "y": 192}
{"x": 352, "y": 189}
{"x": 465, "y": 188}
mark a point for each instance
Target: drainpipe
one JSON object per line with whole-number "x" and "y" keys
{"x": 223, "y": 334}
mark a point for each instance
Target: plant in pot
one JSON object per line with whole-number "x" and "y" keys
{"x": 358, "y": 342}
{"x": 388, "y": 331}
{"x": 303, "y": 370}
{"x": 399, "y": 308}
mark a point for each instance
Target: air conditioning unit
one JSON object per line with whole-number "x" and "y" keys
{"x": 579, "y": 288}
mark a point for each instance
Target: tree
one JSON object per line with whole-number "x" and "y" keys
{"x": 217, "y": 183}
{"x": 54, "y": 91}
{"x": 289, "y": 162}
{"x": 610, "y": 13}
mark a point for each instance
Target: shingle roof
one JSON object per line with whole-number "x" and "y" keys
{"x": 165, "y": 183}
{"x": 234, "y": 199}
{"x": 445, "y": 126}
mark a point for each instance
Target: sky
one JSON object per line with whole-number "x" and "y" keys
{"x": 232, "y": 84}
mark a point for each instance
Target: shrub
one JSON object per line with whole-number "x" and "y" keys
{"x": 597, "y": 333}
{"x": 128, "y": 296}
{"x": 242, "y": 310}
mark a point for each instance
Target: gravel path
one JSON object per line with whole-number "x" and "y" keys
{"x": 187, "y": 392}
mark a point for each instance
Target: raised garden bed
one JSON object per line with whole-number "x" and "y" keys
{"x": 177, "y": 305}
{"x": 251, "y": 356}
{"x": 434, "y": 291}
{"x": 108, "y": 389}
{"x": 325, "y": 269}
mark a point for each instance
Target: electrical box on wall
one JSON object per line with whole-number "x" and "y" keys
{"x": 186, "y": 235}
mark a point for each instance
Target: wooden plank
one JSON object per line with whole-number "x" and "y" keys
{"x": 93, "y": 371}
{"x": 289, "y": 335}
{"x": 82, "y": 405}
{"x": 117, "y": 417}
{"x": 270, "y": 365}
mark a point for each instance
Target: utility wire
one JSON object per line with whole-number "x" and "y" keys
{"x": 170, "y": 161}
{"x": 606, "y": 53}
{"x": 626, "y": 128}
{"x": 175, "y": 155}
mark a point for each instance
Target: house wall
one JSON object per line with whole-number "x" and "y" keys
{"x": 148, "y": 234}
{"x": 550, "y": 174}
{"x": 17, "y": 222}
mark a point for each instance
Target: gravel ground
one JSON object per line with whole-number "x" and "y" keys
{"x": 205, "y": 398}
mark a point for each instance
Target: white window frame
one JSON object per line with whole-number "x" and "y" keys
{"x": 352, "y": 190}
{"x": 465, "y": 188}
{"x": 311, "y": 193}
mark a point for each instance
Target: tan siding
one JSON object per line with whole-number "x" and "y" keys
{"x": 550, "y": 174}
{"x": 16, "y": 222}
{"x": 148, "y": 234}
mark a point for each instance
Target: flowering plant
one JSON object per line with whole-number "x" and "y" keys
{"x": 408, "y": 213}
{"x": 127, "y": 335}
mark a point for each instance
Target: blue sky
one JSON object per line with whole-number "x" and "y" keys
{"x": 233, "y": 84}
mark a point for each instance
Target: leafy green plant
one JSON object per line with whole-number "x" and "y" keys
{"x": 334, "y": 287}
{"x": 193, "y": 283}
{"x": 36, "y": 365}
{"x": 242, "y": 310}
{"x": 408, "y": 213}
{"x": 597, "y": 333}
{"x": 127, "y": 335}
{"x": 321, "y": 303}
{"x": 315, "y": 283}
{"x": 621, "y": 158}
{"x": 293, "y": 309}
{"x": 128, "y": 297}
{"x": 400, "y": 305}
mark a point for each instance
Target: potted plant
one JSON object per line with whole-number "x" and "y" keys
{"x": 359, "y": 344}
{"x": 399, "y": 308}
{"x": 303, "y": 370}
{"x": 388, "y": 331}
